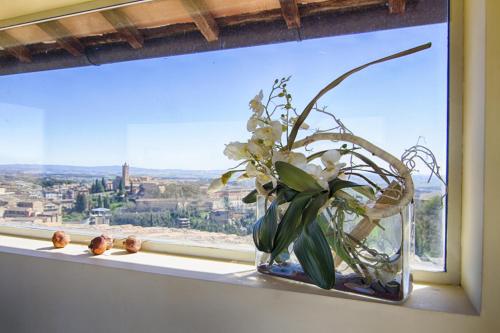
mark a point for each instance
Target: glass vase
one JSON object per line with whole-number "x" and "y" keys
{"x": 371, "y": 258}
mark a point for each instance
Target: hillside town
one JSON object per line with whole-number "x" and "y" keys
{"x": 124, "y": 200}
{"x": 168, "y": 207}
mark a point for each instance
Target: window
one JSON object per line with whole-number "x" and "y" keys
{"x": 130, "y": 147}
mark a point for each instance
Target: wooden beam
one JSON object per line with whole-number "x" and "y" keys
{"x": 290, "y": 12}
{"x": 397, "y": 6}
{"x": 201, "y": 16}
{"x": 63, "y": 37}
{"x": 14, "y": 47}
{"x": 124, "y": 26}
{"x": 238, "y": 31}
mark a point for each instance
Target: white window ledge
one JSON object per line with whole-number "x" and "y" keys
{"x": 441, "y": 298}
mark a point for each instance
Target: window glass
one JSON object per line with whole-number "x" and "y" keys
{"x": 131, "y": 147}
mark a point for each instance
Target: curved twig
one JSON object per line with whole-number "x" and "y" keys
{"x": 374, "y": 213}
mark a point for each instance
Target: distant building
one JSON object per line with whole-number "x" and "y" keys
{"x": 183, "y": 223}
{"x": 230, "y": 198}
{"x": 36, "y": 206}
{"x": 51, "y": 195}
{"x": 18, "y": 212}
{"x": 150, "y": 189}
{"x": 109, "y": 185}
{"x": 49, "y": 217}
{"x": 126, "y": 175}
{"x": 7, "y": 202}
{"x": 100, "y": 216}
{"x": 67, "y": 204}
{"x": 52, "y": 208}
{"x": 157, "y": 204}
{"x": 220, "y": 216}
{"x": 69, "y": 195}
{"x": 202, "y": 205}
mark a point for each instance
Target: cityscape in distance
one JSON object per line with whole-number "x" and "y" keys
{"x": 166, "y": 204}
{"x": 120, "y": 199}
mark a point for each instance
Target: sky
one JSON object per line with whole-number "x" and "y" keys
{"x": 178, "y": 112}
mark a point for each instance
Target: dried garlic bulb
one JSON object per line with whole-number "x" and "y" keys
{"x": 132, "y": 244}
{"x": 98, "y": 245}
{"x": 60, "y": 239}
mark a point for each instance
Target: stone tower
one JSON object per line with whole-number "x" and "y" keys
{"x": 125, "y": 175}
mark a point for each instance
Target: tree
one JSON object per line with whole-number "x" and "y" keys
{"x": 82, "y": 203}
{"x": 121, "y": 187}
{"x": 103, "y": 182}
{"x": 99, "y": 188}
{"x": 428, "y": 228}
{"x": 105, "y": 202}
{"x": 99, "y": 202}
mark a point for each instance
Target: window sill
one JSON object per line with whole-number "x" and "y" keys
{"x": 429, "y": 297}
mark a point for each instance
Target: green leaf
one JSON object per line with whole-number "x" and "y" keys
{"x": 311, "y": 211}
{"x": 265, "y": 228}
{"x": 250, "y": 197}
{"x": 296, "y": 178}
{"x": 339, "y": 184}
{"x": 334, "y": 242}
{"x": 316, "y": 155}
{"x": 365, "y": 190}
{"x": 226, "y": 176}
{"x": 290, "y": 225}
{"x": 287, "y": 193}
{"x": 315, "y": 256}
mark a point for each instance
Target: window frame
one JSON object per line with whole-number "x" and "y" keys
{"x": 451, "y": 273}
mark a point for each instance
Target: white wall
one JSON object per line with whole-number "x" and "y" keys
{"x": 45, "y": 295}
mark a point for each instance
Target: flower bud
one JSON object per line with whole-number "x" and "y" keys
{"x": 98, "y": 245}
{"x": 60, "y": 239}
{"x": 132, "y": 244}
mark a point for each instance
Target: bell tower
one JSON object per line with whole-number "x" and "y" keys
{"x": 125, "y": 175}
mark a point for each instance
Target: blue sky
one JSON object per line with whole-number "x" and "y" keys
{"x": 178, "y": 112}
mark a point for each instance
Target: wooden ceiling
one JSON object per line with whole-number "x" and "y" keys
{"x": 137, "y": 24}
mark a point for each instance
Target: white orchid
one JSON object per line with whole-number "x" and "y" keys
{"x": 330, "y": 158}
{"x": 264, "y": 149}
{"x": 237, "y": 151}
{"x": 256, "y": 104}
{"x": 251, "y": 170}
{"x": 261, "y": 177}
{"x": 329, "y": 174}
{"x": 269, "y": 134}
{"x": 317, "y": 173}
{"x": 294, "y": 180}
{"x": 296, "y": 159}
{"x": 252, "y": 123}
{"x": 313, "y": 169}
{"x": 258, "y": 149}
